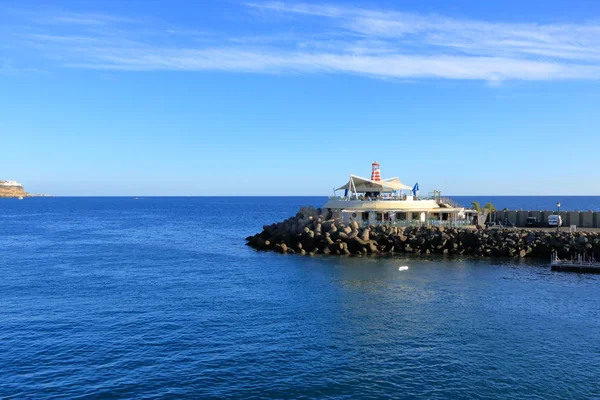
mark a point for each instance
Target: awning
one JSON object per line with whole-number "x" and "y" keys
{"x": 396, "y": 184}
{"x": 366, "y": 185}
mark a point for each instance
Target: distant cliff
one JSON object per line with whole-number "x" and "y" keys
{"x": 10, "y": 189}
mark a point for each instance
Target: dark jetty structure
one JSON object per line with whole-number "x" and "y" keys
{"x": 312, "y": 232}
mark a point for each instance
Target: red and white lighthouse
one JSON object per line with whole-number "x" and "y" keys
{"x": 375, "y": 174}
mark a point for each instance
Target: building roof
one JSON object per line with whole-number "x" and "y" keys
{"x": 359, "y": 184}
{"x": 396, "y": 184}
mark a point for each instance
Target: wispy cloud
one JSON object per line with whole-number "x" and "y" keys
{"x": 86, "y": 19}
{"x": 49, "y": 17}
{"x": 434, "y": 33}
{"x": 327, "y": 39}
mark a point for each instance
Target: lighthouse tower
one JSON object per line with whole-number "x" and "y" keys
{"x": 375, "y": 175}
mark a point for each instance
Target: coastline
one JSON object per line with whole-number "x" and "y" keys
{"x": 25, "y": 195}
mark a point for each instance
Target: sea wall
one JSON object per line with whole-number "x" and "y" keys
{"x": 581, "y": 219}
{"x": 312, "y": 232}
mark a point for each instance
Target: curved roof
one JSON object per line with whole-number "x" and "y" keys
{"x": 367, "y": 185}
{"x": 395, "y": 182}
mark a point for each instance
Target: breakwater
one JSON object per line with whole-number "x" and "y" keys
{"x": 311, "y": 231}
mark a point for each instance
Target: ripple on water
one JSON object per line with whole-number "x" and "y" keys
{"x": 116, "y": 298}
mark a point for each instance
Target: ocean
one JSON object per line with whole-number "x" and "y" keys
{"x": 160, "y": 298}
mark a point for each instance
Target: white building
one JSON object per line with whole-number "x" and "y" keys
{"x": 10, "y": 183}
{"x": 383, "y": 201}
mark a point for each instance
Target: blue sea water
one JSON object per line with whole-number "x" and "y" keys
{"x": 160, "y": 298}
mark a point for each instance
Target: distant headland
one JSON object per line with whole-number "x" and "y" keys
{"x": 13, "y": 189}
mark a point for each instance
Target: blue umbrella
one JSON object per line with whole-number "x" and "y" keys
{"x": 416, "y": 189}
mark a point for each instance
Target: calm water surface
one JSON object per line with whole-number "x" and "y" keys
{"x": 160, "y": 298}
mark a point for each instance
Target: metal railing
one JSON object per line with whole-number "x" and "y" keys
{"x": 416, "y": 223}
{"x": 450, "y": 202}
{"x": 464, "y": 222}
{"x": 388, "y": 198}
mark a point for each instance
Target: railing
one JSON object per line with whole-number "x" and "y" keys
{"x": 582, "y": 260}
{"x": 390, "y": 198}
{"x": 437, "y": 222}
{"x": 349, "y": 198}
{"x": 450, "y": 202}
{"x": 416, "y": 223}
{"x": 391, "y": 223}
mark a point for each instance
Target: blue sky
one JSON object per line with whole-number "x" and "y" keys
{"x": 288, "y": 98}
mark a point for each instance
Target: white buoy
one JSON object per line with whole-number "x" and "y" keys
{"x": 403, "y": 268}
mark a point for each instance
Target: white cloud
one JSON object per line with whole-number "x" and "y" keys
{"x": 569, "y": 41}
{"x": 89, "y": 19}
{"x": 377, "y": 43}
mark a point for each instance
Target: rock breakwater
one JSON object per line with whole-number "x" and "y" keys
{"x": 313, "y": 232}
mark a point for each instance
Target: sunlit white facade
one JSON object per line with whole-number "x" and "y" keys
{"x": 378, "y": 201}
{"x": 10, "y": 183}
